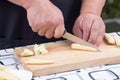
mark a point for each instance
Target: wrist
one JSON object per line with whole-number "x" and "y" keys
{"x": 26, "y": 3}
{"x": 92, "y": 6}
{"x": 90, "y": 12}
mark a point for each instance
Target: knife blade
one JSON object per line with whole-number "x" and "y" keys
{"x": 80, "y": 41}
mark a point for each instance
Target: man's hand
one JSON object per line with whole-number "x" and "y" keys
{"x": 43, "y": 17}
{"x": 46, "y": 19}
{"x": 89, "y": 27}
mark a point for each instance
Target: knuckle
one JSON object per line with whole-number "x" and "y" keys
{"x": 41, "y": 34}
{"x": 34, "y": 30}
{"x": 59, "y": 19}
{"x": 35, "y": 23}
{"x": 48, "y": 36}
{"x": 52, "y": 22}
{"x": 57, "y": 35}
{"x": 30, "y": 24}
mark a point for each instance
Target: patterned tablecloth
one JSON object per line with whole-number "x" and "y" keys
{"x": 103, "y": 72}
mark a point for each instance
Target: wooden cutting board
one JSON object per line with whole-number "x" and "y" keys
{"x": 68, "y": 59}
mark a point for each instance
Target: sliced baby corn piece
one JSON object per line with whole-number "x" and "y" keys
{"x": 26, "y": 52}
{"x": 2, "y": 79}
{"x": 38, "y": 62}
{"x": 7, "y": 76}
{"x": 36, "y": 49}
{"x": 2, "y": 68}
{"x": 109, "y": 38}
{"x": 81, "y": 47}
{"x": 43, "y": 49}
{"x": 40, "y": 49}
{"x": 117, "y": 40}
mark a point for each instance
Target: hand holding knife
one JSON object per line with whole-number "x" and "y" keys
{"x": 75, "y": 39}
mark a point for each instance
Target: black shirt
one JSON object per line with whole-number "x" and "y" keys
{"x": 14, "y": 27}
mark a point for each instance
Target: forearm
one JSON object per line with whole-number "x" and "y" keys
{"x": 92, "y": 6}
{"x": 26, "y": 3}
{"x": 22, "y": 3}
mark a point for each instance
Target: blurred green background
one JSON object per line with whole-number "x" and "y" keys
{"x": 111, "y": 15}
{"x": 111, "y": 9}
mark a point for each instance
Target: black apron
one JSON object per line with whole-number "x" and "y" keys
{"x": 15, "y": 30}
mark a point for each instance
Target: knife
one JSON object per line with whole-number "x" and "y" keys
{"x": 75, "y": 39}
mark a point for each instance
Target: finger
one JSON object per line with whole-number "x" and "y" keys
{"x": 101, "y": 35}
{"x": 99, "y": 39}
{"x": 59, "y": 30}
{"x": 35, "y": 24}
{"x": 35, "y": 28}
{"x": 44, "y": 28}
{"x": 94, "y": 32}
{"x": 76, "y": 30}
{"x": 87, "y": 24}
{"x": 42, "y": 31}
{"x": 50, "y": 32}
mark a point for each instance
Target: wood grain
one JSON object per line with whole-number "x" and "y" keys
{"x": 68, "y": 59}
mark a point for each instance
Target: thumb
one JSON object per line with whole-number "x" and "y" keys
{"x": 77, "y": 31}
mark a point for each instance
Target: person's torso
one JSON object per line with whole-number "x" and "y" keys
{"x": 14, "y": 25}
